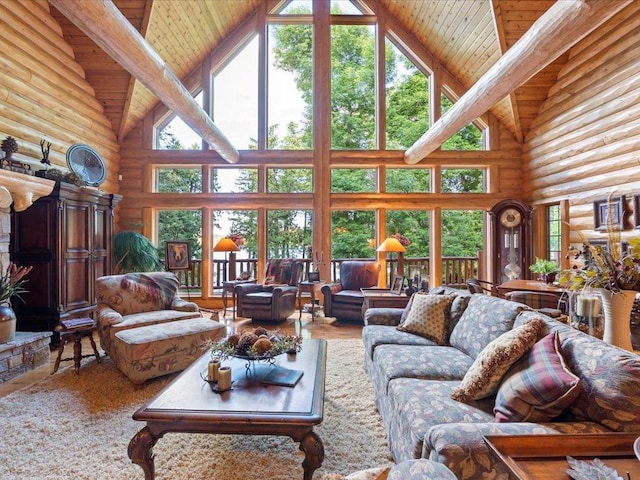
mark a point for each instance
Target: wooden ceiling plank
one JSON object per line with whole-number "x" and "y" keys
{"x": 106, "y": 26}
{"x": 563, "y": 25}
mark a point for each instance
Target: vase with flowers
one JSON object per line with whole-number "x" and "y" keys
{"x": 613, "y": 273}
{"x": 11, "y": 285}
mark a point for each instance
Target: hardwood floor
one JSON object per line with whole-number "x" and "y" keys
{"x": 327, "y": 328}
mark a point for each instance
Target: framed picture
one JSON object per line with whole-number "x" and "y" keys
{"x": 396, "y": 285}
{"x": 313, "y": 276}
{"x": 609, "y": 212}
{"x": 177, "y": 255}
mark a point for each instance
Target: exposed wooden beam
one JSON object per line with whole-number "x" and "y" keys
{"x": 513, "y": 101}
{"x": 110, "y": 30}
{"x": 563, "y": 25}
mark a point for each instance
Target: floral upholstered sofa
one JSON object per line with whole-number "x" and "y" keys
{"x": 416, "y": 377}
{"x": 147, "y": 328}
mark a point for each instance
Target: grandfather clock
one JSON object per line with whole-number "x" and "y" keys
{"x": 511, "y": 249}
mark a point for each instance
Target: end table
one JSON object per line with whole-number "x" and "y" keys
{"x": 310, "y": 288}
{"x": 229, "y": 287}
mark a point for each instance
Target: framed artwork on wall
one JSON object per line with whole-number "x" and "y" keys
{"x": 177, "y": 256}
{"x": 609, "y": 212}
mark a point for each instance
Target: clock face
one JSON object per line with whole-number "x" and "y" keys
{"x": 510, "y": 217}
{"x": 86, "y": 162}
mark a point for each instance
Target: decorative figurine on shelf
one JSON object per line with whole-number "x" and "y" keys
{"x": 9, "y": 147}
{"x": 409, "y": 290}
{"x": 45, "y": 152}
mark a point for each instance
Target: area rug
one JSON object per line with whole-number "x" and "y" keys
{"x": 72, "y": 426}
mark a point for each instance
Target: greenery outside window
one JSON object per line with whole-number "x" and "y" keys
{"x": 408, "y": 180}
{"x": 463, "y": 180}
{"x": 179, "y": 180}
{"x": 353, "y": 234}
{"x": 353, "y": 180}
{"x": 180, "y": 225}
{"x": 554, "y": 233}
{"x": 289, "y": 233}
{"x": 290, "y": 180}
{"x": 234, "y": 180}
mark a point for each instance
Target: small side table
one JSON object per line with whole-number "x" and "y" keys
{"x": 229, "y": 287}
{"x": 311, "y": 288}
{"x": 74, "y": 331}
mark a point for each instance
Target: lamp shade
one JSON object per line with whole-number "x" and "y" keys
{"x": 391, "y": 245}
{"x": 226, "y": 245}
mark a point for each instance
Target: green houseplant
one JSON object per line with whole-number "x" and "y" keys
{"x": 11, "y": 285}
{"x": 547, "y": 269}
{"x": 133, "y": 252}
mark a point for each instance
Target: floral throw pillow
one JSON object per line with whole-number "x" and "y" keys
{"x": 428, "y": 317}
{"x": 539, "y": 386}
{"x": 483, "y": 377}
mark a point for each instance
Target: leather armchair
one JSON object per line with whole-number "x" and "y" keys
{"x": 275, "y": 299}
{"x": 344, "y": 300}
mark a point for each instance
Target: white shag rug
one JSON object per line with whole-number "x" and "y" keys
{"x": 75, "y": 427}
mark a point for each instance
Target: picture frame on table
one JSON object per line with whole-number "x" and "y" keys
{"x": 177, "y": 256}
{"x": 313, "y": 276}
{"x": 609, "y": 212}
{"x": 396, "y": 285}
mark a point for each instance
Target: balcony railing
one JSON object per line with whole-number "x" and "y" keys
{"x": 455, "y": 270}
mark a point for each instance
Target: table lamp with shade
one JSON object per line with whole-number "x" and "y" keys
{"x": 393, "y": 245}
{"x": 227, "y": 245}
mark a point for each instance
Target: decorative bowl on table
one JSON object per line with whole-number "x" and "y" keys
{"x": 636, "y": 448}
{"x": 257, "y": 344}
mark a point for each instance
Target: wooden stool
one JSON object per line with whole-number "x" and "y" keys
{"x": 74, "y": 331}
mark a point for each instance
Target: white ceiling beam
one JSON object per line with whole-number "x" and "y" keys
{"x": 561, "y": 27}
{"x": 110, "y": 30}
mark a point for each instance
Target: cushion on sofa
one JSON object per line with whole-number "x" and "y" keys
{"x": 484, "y": 376}
{"x": 484, "y": 320}
{"x": 428, "y": 316}
{"x": 539, "y": 386}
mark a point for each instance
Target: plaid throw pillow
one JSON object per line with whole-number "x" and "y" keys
{"x": 483, "y": 377}
{"x": 539, "y": 386}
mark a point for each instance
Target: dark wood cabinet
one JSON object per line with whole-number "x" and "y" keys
{"x": 67, "y": 238}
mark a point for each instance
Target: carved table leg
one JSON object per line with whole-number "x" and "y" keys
{"x": 313, "y": 450}
{"x": 77, "y": 352}
{"x": 141, "y": 452}
{"x": 95, "y": 348}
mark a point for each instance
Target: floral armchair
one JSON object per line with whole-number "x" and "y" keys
{"x": 344, "y": 300}
{"x": 134, "y": 300}
{"x": 275, "y": 299}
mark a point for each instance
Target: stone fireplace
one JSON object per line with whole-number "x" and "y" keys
{"x": 20, "y": 190}
{"x": 29, "y": 349}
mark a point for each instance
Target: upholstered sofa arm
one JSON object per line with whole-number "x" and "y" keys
{"x": 383, "y": 316}
{"x": 182, "y": 305}
{"x": 107, "y": 316}
{"x": 327, "y": 293}
{"x": 461, "y": 446}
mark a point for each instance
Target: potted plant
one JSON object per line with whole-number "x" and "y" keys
{"x": 546, "y": 269}
{"x": 11, "y": 285}
{"x": 133, "y": 252}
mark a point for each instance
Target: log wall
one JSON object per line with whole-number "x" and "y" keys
{"x": 44, "y": 94}
{"x": 585, "y": 143}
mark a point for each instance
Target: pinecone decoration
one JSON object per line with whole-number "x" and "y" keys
{"x": 9, "y": 146}
{"x": 246, "y": 342}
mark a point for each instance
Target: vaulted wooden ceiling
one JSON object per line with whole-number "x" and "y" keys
{"x": 466, "y": 36}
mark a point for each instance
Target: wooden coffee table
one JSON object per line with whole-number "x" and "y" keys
{"x": 188, "y": 405}
{"x": 544, "y": 457}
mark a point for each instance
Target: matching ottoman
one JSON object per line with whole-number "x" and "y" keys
{"x": 155, "y": 350}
